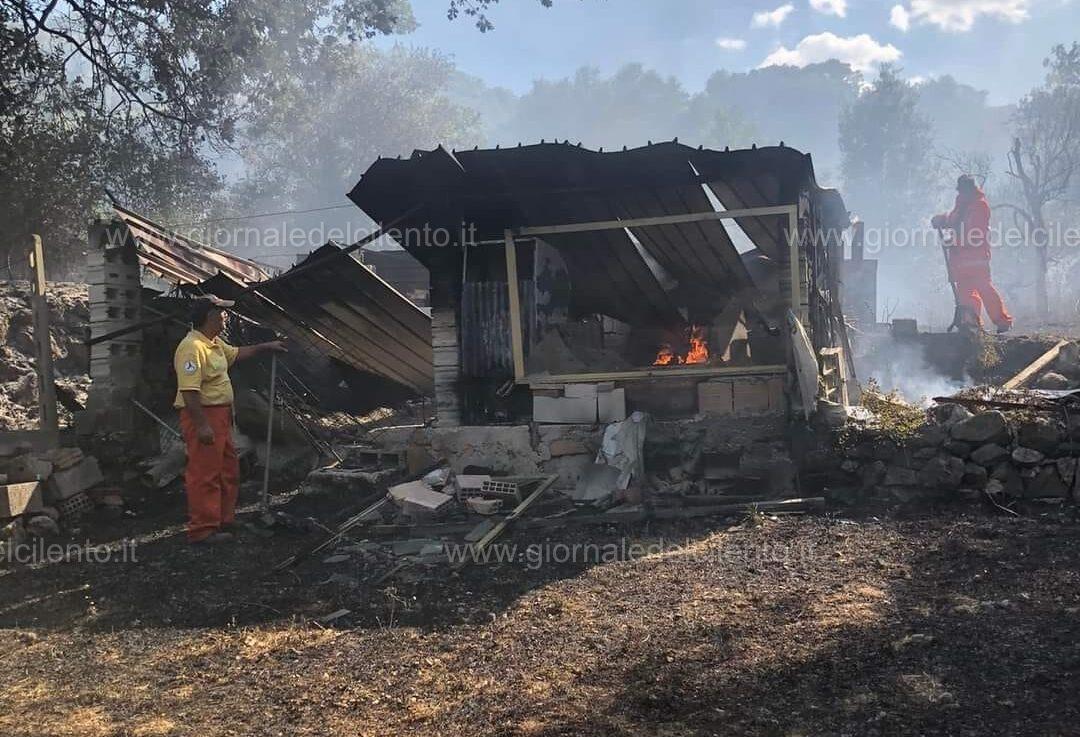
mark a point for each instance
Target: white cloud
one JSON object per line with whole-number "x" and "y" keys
{"x": 958, "y": 16}
{"x": 731, "y": 44}
{"x": 772, "y": 18}
{"x": 830, "y": 7}
{"x": 862, "y": 52}
{"x": 899, "y": 18}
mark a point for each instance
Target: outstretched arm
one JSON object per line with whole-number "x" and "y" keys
{"x": 249, "y": 351}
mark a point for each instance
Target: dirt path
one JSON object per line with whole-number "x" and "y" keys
{"x": 937, "y": 626}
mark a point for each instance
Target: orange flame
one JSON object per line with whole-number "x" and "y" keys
{"x": 665, "y": 356}
{"x": 698, "y": 353}
{"x": 699, "y": 349}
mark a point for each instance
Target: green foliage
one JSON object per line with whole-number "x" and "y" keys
{"x": 141, "y": 98}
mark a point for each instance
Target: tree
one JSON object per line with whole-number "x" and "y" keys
{"x": 476, "y": 9}
{"x": 729, "y": 128}
{"x": 800, "y": 106}
{"x": 332, "y": 118}
{"x": 1045, "y": 155}
{"x": 141, "y": 97}
{"x": 56, "y": 161}
{"x": 886, "y": 151}
{"x": 183, "y": 66}
{"x": 629, "y": 108}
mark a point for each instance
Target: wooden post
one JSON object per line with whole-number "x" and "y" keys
{"x": 515, "y": 309}
{"x": 46, "y": 380}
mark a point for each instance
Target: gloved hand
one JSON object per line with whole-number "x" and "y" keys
{"x": 938, "y": 222}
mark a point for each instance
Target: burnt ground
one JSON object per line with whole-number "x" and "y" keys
{"x": 946, "y": 623}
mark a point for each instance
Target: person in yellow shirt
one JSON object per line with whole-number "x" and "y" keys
{"x": 204, "y": 396}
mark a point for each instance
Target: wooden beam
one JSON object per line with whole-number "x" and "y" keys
{"x": 796, "y": 265}
{"x": 46, "y": 378}
{"x": 516, "y": 343}
{"x": 508, "y": 520}
{"x": 1035, "y": 367}
{"x": 659, "y": 372}
{"x": 693, "y": 217}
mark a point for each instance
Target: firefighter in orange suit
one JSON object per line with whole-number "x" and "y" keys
{"x": 204, "y": 397}
{"x": 969, "y": 257}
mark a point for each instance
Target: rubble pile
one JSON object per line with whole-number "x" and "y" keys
{"x": 955, "y": 453}
{"x": 42, "y": 490}
{"x": 69, "y": 314}
{"x": 432, "y": 519}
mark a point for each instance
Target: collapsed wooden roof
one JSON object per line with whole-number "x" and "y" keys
{"x": 337, "y": 306}
{"x": 328, "y": 304}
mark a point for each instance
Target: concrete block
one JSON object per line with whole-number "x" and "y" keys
{"x": 580, "y": 391}
{"x": 568, "y": 447}
{"x": 418, "y": 499}
{"x": 758, "y": 396}
{"x": 29, "y": 467}
{"x": 500, "y": 448}
{"x": 589, "y": 434}
{"x": 611, "y": 406}
{"x": 750, "y": 396}
{"x": 75, "y": 480}
{"x": 16, "y": 499}
{"x": 564, "y": 409}
{"x": 716, "y": 397}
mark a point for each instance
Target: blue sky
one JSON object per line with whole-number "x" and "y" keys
{"x": 996, "y": 45}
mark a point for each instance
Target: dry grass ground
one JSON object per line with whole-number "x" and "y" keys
{"x": 945, "y": 625}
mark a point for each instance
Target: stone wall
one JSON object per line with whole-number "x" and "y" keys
{"x": 957, "y": 454}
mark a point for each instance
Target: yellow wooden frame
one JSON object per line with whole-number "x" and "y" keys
{"x": 516, "y": 333}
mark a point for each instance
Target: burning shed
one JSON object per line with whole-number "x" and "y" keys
{"x": 672, "y": 273}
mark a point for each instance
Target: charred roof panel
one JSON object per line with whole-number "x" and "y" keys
{"x": 559, "y": 184}
{"x": 184, "y": 260}
{"x": 340, "y": 307}
{"x": 337, "y": 307}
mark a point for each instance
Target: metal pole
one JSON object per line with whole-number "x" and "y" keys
{"x": 155, "y": 418}
{"x": 269, "y": 434}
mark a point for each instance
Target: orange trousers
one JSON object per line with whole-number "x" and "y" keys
{"x": 976, "y": 290}
{"x": 212, "y": 476}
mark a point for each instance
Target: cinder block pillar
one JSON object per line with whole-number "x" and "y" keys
{"x": 115, "y": 304}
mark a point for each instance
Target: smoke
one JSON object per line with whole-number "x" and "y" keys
{"x": 900, "y": 366}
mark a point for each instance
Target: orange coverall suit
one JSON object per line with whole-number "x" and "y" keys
{"x": 212, "y": 476}
{"x": 969, "y": 259}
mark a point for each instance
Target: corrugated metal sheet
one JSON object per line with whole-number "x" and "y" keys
{"x": 181, "y": 259}
{"x": 341, "y": 308}
{"x": 485, "y": 327}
